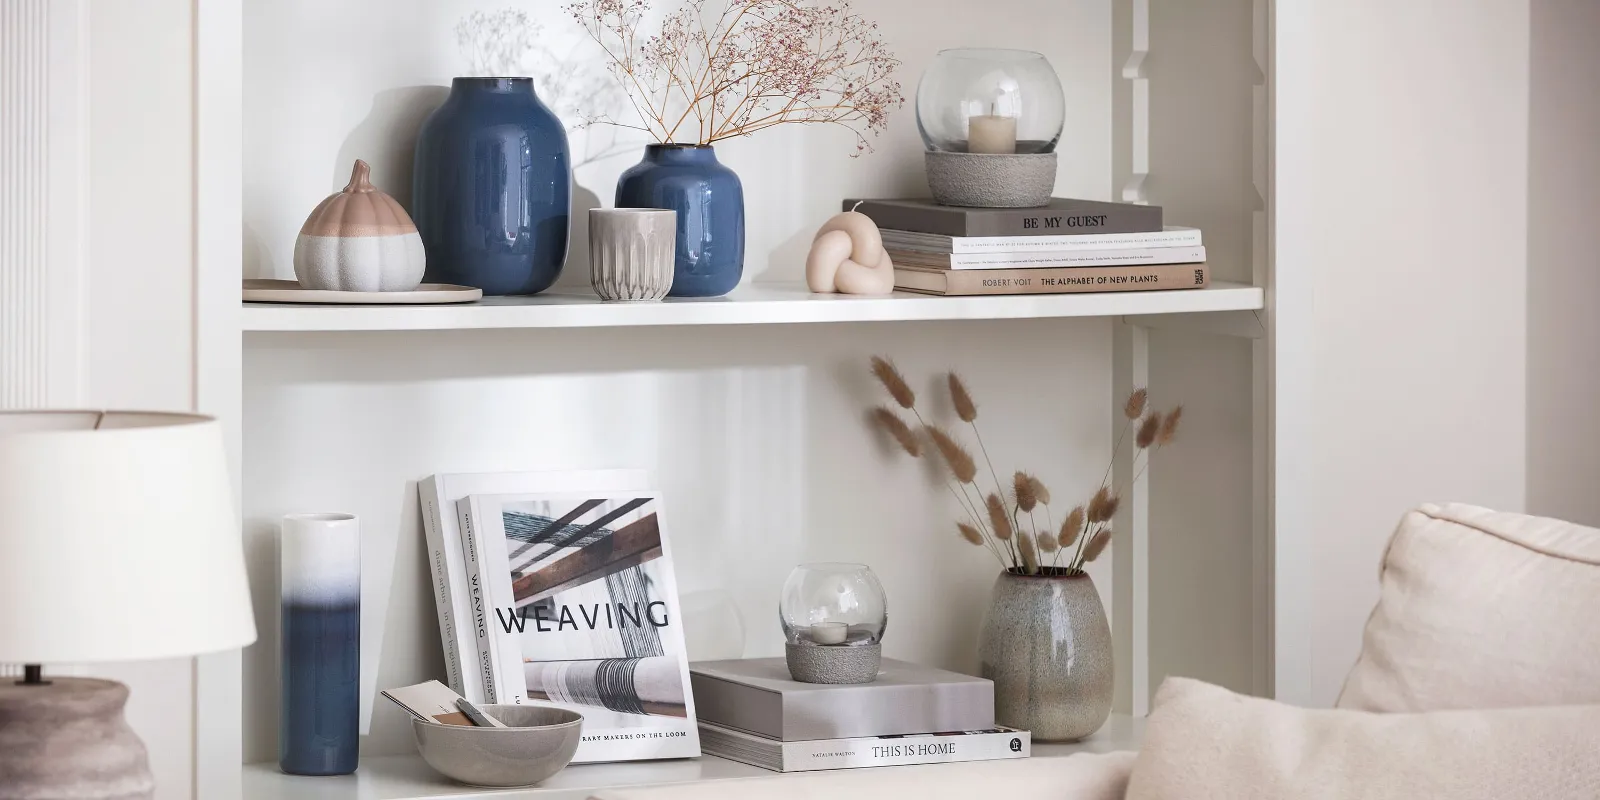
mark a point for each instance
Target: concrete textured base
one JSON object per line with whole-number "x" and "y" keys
{"x": 833, "y": 664}
{"x": 68, "y": 739}
{"x": 980, "y": 180}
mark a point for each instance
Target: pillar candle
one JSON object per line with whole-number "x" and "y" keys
{"x": 988, "y": 133}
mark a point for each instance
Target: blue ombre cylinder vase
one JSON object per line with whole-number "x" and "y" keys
{"x": 319, "y": 560}
{"x": 710, "y": 203}
{"x": 491, "y": 190}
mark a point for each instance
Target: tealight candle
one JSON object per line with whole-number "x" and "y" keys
{"x": 992, "y": 134}
{"x": 829, "y": 632}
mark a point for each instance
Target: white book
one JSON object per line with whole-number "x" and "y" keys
{"x": 438, "y": 495}
{"x": 869, "y": 751}
{"x": 1171, "y": 236}
{"x": 584, "y": 614}
{"x": 1055, "y": 259}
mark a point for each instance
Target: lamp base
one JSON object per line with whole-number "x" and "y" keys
{"x": 984, "y": 180}
{"x": 833, "y": 663}
{"x": 68, "y": 739}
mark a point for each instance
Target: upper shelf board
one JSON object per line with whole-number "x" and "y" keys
{"x": 753, "y": 304}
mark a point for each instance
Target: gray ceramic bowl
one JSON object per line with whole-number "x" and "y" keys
{"x": 538, "y": 744}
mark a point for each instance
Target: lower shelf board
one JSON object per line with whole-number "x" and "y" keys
{"x": 408, "y": 778}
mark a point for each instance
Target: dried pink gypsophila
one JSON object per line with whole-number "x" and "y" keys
{"x": 757, "y": 64}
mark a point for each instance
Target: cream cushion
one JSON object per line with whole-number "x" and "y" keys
{"x": 1482, "y": 609}
{"x": 1079, "y": 777}
{"x": 1203, "y": 742}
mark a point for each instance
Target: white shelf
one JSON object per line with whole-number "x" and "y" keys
{"x": 757, "y": 304}
{"x": 408, "y": 778}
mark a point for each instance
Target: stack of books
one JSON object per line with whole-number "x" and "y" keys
{"x": 751, "y": 711}
{"x": 1066, "y": 246}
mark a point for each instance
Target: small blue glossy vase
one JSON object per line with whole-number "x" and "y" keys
{"x": 319, "y": 731}
{"x": 492, "y": 188}
{"x": 710, "y": 203}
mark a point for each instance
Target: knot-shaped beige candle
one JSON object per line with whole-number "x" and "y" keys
{"x": 847, "y": 256}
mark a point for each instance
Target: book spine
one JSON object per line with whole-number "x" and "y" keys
{"x": 443, "y": 581}
{"x": 1181, "y": 237}
{"x": 1092, "y": 218}
{"x": 891, "y": 751}
{"x": 1082, "y": 258}
{"x": 1065, "y": 281}
{"x": 483, "y": 654}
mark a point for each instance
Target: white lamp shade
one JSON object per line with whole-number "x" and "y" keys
{"x": 118, "y": 539}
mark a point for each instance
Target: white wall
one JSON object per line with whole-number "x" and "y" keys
{"x": 1563, "y": 266}
{"x": 138, "y": 293}
{"x": 1415, "y": 175}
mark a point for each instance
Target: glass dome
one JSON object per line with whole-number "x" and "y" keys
{"x": 990, "y": 101}
{"x": 833, "y": 604}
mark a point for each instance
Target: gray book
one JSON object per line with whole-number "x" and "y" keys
{"x": 1062, "y": 216}
{"x": 756, "y": 695}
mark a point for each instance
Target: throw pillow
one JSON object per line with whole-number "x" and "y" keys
{"x": 1482, "y": 609}
{"x": 1204, "y": 742}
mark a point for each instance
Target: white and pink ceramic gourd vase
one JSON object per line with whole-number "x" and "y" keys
{"x": 359, "y": 240}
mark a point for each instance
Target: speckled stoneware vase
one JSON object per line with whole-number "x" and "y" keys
{"x": 1047, "y": 647}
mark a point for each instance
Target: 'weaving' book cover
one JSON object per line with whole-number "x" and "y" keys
{"x": 584, "y": 615}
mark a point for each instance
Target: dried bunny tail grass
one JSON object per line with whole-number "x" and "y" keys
{"x": 1169, "y": 426}
{"x": 1070, "y": 528}
{"x": 962, "y": 399}
{"x": 1022, "y": 486}
{"x": 1097, "y": 505}
{"x": 885, "y": 372}
{"x": 885, "y": 418}
{"x": 1148, "y": 430}
{"x": 970, "y": 533}
{"x": 1030, "y": 556}
{"x": 959, "y": 460}
{"x": 1048, "y": 542}
{"x": 1097, "y": 545}
{"x": 998, "y": 518}
{"x": 1134, "y": 408}
{"x": 1112, "y": 505}
{"x": 1039, "y": 491}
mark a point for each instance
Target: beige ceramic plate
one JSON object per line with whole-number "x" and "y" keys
{"x": 259, "y": 290}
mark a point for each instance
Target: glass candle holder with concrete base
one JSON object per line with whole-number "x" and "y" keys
{"x": 834, "y": 616}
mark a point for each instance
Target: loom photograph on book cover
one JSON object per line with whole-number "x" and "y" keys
{"x": 582, "y": 611}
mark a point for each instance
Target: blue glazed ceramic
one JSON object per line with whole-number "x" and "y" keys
{"x": 710, "y": 203}
{"x": 320, "y": 640}
{"x": 492, "y": 189}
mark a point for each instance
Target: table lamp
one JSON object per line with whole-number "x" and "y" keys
{"x": 118, "y": 542}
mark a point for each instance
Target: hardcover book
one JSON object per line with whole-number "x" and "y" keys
{"x": 1052, "y": 281}
{"x": 1061, "y": 216}
{"x": 437, "y": 496}
{"x": 1047, "y": 260}
{"x": 584, "y": 615}
{"x": 757, "y": 696}
{"x": 1171, "y": 236}
{"x": 866, "y": 751}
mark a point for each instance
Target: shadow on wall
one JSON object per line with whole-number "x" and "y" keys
{"x": 387, "y": 139}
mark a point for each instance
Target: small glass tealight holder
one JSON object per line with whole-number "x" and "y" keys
{"x": 833, "y": 617}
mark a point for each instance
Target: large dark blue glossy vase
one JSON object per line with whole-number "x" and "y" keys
{"x": 710, "y": 203}
{"x": 492, "y": 190}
